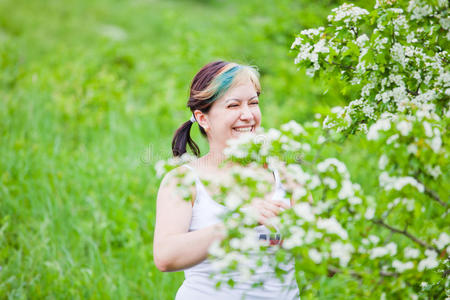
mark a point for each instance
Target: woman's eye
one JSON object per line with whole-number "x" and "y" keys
{"x": 254, "y": 103}
{"x": 232, "y": 105}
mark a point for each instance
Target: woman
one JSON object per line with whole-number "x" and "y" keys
{"x": 224, "y": 102}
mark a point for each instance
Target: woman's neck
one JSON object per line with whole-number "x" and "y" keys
{"x": 213, "y": 159}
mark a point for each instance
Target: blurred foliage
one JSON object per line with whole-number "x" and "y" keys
{"x": 91, "y": 93}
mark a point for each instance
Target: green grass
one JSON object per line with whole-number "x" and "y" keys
{"x": 90, "y": 95}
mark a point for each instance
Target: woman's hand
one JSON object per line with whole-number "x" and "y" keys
{"x": 266, "y": 209}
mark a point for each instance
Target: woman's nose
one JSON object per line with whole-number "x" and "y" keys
{"x": 246, "y": 113}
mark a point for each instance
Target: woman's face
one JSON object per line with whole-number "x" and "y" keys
{"x": 233, "y": 114}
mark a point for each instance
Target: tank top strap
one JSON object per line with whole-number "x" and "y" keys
{"x": 189, "y": 167}
{"x": 276, "y": 174}
{"x": 197, "y": 178}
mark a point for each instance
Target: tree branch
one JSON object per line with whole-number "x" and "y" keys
{"x": 414, "y": 93}
{"x": 446, "y": 273}
{"x": 432, "y": 194}
{"x": 355, "y": 31}
{"x": 332, "y": 270}
{"x": 405, "y": 233}
{"x": 341, "y": 65}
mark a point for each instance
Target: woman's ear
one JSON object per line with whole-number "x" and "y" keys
{"x": 202, "y": 119}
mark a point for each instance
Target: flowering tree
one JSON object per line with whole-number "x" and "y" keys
{"x": 393, "y": 241}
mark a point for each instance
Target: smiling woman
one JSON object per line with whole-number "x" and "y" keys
{"x": 224, "y": 101}
{"x": 208, "y": 88}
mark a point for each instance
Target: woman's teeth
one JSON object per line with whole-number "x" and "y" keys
{"x": 244, "y": 129}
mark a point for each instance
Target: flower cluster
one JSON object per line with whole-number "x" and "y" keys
{"x": 395, "y": 60}
{"x": 387, "y": 55}
{"x": 394, "y": 63}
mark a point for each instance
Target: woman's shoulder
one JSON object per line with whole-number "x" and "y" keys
{"x": 180, "y": 179}
{"x": 177, "y": 173}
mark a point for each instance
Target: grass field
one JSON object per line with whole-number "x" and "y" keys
{"x": 90, "y": 95}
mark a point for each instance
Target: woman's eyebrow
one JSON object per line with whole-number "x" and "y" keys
{"x": 236, "y": 99}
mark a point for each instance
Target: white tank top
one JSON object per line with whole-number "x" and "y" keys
{"x": 199, "y": 286}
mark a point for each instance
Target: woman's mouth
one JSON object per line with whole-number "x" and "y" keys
{"x": 244, "y": 129}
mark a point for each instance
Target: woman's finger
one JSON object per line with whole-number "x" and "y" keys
{"x": 272, "y": 208}
{"x": 280, "y": 204}
{"x": 268, "y": 213}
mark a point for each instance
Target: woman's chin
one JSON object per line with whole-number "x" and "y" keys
{"x": 241, "y": 134}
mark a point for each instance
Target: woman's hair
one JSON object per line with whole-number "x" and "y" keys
{"x": 210, "y": 83}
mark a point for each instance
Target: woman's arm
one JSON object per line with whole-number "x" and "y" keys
{"x": 175, "y": 248}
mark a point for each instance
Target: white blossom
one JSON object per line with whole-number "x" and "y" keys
{"x": 400, "y": 267}
{"x": 320, "y": 47}
{"x": 404, "y": 127}
{"x": 370, "y": 213}
{"x": 298, "y": 41}
{"x": 342, "y": 252}
{"x": 410, "y": 38}
{"x": 398, "y": 183}
{"x": 296, "y": 172}
{"x": 346, "y": 190}
{"x": 304, "y": 211}
{"x": 409, "y": 203}
{"x": 306, "y": 147}
{"x": 323, "y": 166}
{"x": 433, "y": 171}
{"x": 330, "y": 182}
{"x": 436, "y": 144}
{"x": 293, "y": 127}
{"x": 398, "y": 54}
{"x": 311, "y": 33}
{"x": 299, "y": 192}
{"x": 314, "y": 182}
{"x": 235, "y": 243}
{"x": 312, "y": 235}
{"x": 419, "y": 10}
{"x": 160, "y": 168}
{"x": 390, "y": 249}
{"x": 354, "y": 200}
{"x": 216, "y": 250}
{"x": 295, "y": 239}
{"x": 337, "y": 110}
{"x": 189, "y": 179}
{"x": 382, "y": 162}
{"x": 412, "y": 148}
{"x": 444, "y": 240}
{"x": 331, "y": 225}
{"x": 374, "y": 239}
{"x": 394, "y": 203}
{"x": 363, "y": 127}
{"x": 382, "y": 124}
{"x": 315, "y": 255}
{"x": 232, "y": 201}
{"x": 411, "y": 252}
{"x": 347, "y": 13}
{"x": 291, "y": 145}
{"x": 321, "y": 139}
{"x": 392, "y": 139}
{"x": 273, "y": 134}
{"x": 430, "y": 262}
{"x": 362, "y": 40}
